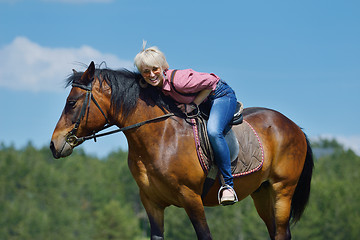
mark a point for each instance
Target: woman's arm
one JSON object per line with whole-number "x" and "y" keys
{"x": 201, "y": 96}
{"x": 188, "y": 108}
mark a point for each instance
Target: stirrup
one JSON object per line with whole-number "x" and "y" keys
{"x": 225, "y": 203}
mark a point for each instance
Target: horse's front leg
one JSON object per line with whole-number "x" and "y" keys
{"x": 156, "y": 217}
{"x": 193, "y": 206}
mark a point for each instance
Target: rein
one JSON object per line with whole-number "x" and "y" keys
{"x": 136, "y": 125}
{"x": 74, "y": 141}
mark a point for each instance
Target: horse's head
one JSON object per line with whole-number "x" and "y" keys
{"x": 85, "y": 112}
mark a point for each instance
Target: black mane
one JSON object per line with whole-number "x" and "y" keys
{"x": 126, "y": 90}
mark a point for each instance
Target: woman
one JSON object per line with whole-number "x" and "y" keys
{"x": 190, "y": 88}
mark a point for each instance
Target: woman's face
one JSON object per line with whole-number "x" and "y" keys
{"x": 153, "y": 76}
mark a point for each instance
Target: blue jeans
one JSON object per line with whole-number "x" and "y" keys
{"x": 223, "y": 105}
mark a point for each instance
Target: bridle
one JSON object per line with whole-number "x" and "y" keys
{"x": 71, "y": 137}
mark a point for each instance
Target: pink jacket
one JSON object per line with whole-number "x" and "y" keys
{"x": 188, "y": 81}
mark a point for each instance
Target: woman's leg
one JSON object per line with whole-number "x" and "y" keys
{"x": 221, "y": 113}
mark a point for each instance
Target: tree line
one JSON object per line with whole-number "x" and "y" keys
{"x": 84, "y": 197}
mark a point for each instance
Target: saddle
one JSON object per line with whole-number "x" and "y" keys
{"x": 246, "y": 151}
{"x": 201, "y": 136}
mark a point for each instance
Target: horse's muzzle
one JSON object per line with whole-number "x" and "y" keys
{"x": 64, "y": 151}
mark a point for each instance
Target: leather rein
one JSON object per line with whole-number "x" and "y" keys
{"x": 71, "y": 137}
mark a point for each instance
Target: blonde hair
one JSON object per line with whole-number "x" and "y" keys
{"x": 150, "y": 57}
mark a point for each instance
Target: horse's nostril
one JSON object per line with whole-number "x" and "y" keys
{"x": 52, "y": 148}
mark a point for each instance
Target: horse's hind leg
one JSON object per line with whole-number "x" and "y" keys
{"x": 273, "y": 204}
{"x": 264, "y": 203}
{"x": 283, "y": 196}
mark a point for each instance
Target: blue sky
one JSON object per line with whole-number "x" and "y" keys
{"x": 301, "y": 58}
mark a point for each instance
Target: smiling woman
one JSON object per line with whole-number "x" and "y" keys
{"x": 153, "y": 75}
{"x": 151, "y": 64}
{"x": 191, "y": 89}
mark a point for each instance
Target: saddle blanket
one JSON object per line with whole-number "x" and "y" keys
{"x": 245, "y": 148}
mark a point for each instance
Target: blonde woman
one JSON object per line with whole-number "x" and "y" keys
{"x": 190, "y": 88}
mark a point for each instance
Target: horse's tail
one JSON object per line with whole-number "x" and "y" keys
{"x": 302, "y": 191}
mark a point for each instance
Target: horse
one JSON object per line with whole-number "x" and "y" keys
{"x": 162, "y": 156}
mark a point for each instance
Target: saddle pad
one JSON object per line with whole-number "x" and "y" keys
{"x": 251, "y": 152}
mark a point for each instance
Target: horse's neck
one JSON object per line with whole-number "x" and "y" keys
{"x": 142, "y": 112}
{"x": 158, "y": 133}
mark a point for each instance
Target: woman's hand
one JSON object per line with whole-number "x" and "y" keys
{"x": 187, "y": 108}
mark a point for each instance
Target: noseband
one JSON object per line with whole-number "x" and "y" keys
{"x": 71, "y": 137}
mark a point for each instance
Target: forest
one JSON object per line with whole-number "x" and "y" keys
{"x": 83, "y": 197}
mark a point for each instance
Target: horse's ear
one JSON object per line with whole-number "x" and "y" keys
{"x": 91, "y": 70}
{"x": 88, "y": 75}
{"x": 74, "y": 71}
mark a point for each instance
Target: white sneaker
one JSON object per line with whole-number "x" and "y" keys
{"x": 228, "y": 196}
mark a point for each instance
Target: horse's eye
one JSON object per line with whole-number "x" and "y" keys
{"x": 71, "y": 103}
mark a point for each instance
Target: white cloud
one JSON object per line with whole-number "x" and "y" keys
{"x": 349, "y": 142}
{"x": 25, "y": 65}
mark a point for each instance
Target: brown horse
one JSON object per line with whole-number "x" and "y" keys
{"x": 162, "y": 156}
